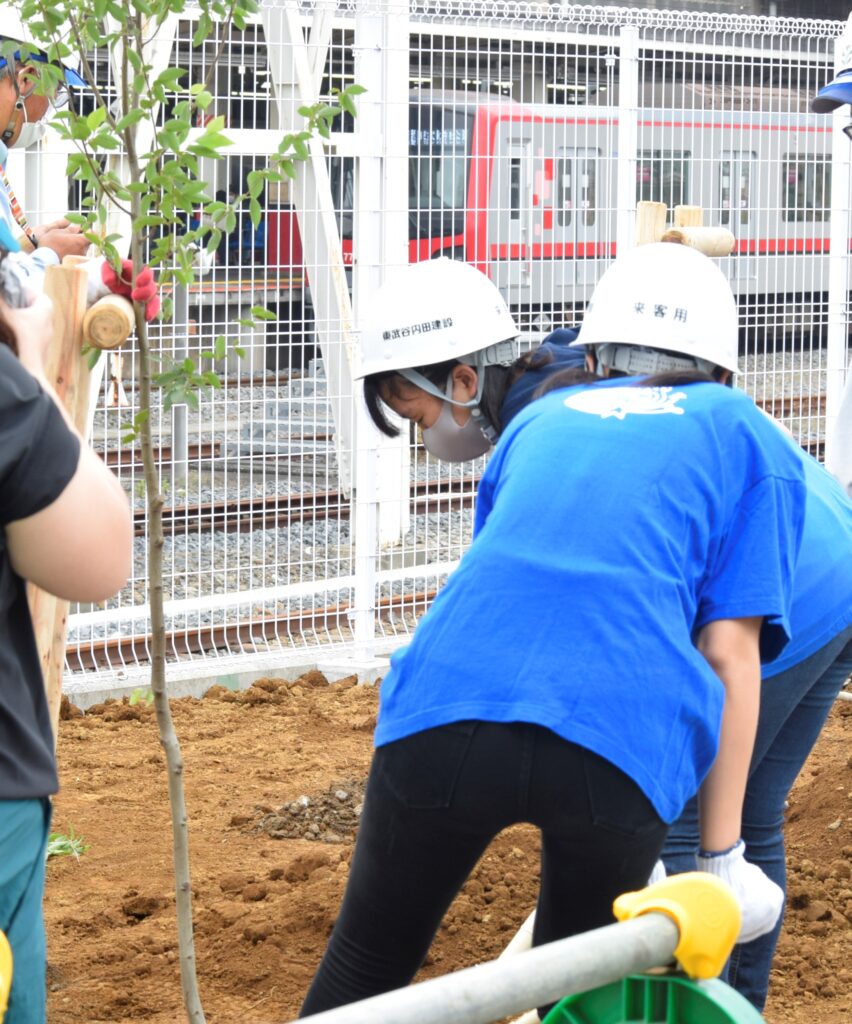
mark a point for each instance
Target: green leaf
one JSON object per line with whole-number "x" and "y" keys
{"x": 134, "y": 117}
{"x": 170, "y": 78}
{"x": 241, "y": 352}
{"x": 220, "y": 347}
{"x": 96, "y": 118}
{"x": 255, "y": 183}
{"x": 262, "y": 313}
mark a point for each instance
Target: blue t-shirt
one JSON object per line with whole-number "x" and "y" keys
{"x": 822, "y": 593}
{"x": 612, "y": 523}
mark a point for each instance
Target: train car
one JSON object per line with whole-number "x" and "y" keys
{"x": 530, "y": 194}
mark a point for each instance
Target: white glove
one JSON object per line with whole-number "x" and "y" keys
{"x": 658, "y": 873}
{"x": 761, "y": 900}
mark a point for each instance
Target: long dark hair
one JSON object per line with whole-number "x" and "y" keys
{"x": 671, "y": 379}
{"x": 497, "y": 381}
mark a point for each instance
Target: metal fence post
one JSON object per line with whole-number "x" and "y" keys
{"x": 180, "y": 450}
{"x": 838, "y": 270}
{"x": 381, "y": 463}
{"x": 628, "y": 134}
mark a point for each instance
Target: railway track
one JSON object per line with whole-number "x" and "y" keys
{"x": 242, "y": 515}
{"x": 136, "y": 650}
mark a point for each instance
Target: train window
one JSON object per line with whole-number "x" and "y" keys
{"x": 735, "y": 187}
{"x": 806, "y": 186}
{"x": 439, "y": 143}
{"x": 564, "y": 192}
{"x": 515, "y": 188}
{"x": 662, "y": 176}
{"x": 576, "y": 188}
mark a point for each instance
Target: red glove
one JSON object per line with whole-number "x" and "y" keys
{"x": 144, "y": 290}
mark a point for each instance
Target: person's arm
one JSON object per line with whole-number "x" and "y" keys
{"x": 79, "y": 546}
{"x": 732, "y": 648}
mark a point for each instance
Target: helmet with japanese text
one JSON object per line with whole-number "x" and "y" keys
{"x": 13, "y": 30}
{"x": 662, "y": 307}
{"x": 435, "y": 311}
{"x": 839, "y": 90}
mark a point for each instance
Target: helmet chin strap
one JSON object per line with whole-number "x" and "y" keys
{"x": 18, "y": 109}
{"x": 13, "y": 121}
{"x": 477, "y": 415}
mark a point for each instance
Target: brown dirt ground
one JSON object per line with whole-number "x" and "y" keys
{"x": 269, "y": 868}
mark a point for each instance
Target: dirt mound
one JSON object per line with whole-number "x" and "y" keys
{"x": 267, "y": 883}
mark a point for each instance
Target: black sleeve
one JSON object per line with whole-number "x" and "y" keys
{"x": 38, "y": 453}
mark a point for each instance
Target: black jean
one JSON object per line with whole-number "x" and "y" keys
{"x": 434, "y": 802}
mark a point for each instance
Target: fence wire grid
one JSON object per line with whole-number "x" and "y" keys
{"x": 516, "y": 136}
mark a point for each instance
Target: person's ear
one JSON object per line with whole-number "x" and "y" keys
{"x": 27, "y": 76}
{"x": 591, "y": 360}
{"x": 723, "y": 376}
{"x": 465, "y": 381}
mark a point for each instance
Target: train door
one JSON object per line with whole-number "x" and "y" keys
{"x": 518, "y": 201}
{"x": 510, "y": 211}
{"x": 736, "y": 175}
{"x": 576, "y": 201}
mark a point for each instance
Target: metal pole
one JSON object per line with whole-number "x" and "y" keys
{"x": 489, "y": 992}
{"x": 628, "y": 134}
{"x": 180, "y": 453}
{"x": 836, "y": 448}
{"x": 381, "y": 502}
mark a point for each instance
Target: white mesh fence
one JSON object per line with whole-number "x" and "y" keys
{"x": 516, "y": 136}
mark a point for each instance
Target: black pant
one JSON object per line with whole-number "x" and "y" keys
{"x": 434, "y": 802}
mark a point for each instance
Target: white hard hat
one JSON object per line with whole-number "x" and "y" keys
{"x": 12, "y": 27}
{"x": 430, "y": 312}
{"x": 665, "y": 296}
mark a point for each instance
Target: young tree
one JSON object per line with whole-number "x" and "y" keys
{"x": 138, "y": 155}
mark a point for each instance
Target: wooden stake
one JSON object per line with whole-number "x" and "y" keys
{"x": 688, "y": 217}
{"x": 710, "y": 241}
{"x": 650, "y": 221}
{"x": 109, "y": 322}
{"x": 68, "y": 372}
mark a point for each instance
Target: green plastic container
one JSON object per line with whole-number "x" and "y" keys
{"x": 656, "y": 999}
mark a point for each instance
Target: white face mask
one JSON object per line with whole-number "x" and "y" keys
{"x": 446, "y": 440}
{"x": 31, "y": 131}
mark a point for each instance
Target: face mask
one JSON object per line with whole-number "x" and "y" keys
{"x": 446, "y": 440}
{"x": 30, "y": 135}
{"x": 31, "y": 132}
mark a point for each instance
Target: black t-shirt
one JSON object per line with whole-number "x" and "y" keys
{"x": 38, "y": 457}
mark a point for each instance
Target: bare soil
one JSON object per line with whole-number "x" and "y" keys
{"x": 274, "y": 780}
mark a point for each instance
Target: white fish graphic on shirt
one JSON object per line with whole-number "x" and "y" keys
{"x": 619, "y": 402}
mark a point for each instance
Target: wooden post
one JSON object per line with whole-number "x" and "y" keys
{"x": 109, "y": 323}
{"x": 710, "y": 241}
{"x": 68, "y": 372}
{"x": 650, "y": 221}
{"x": 688, "y": 217}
